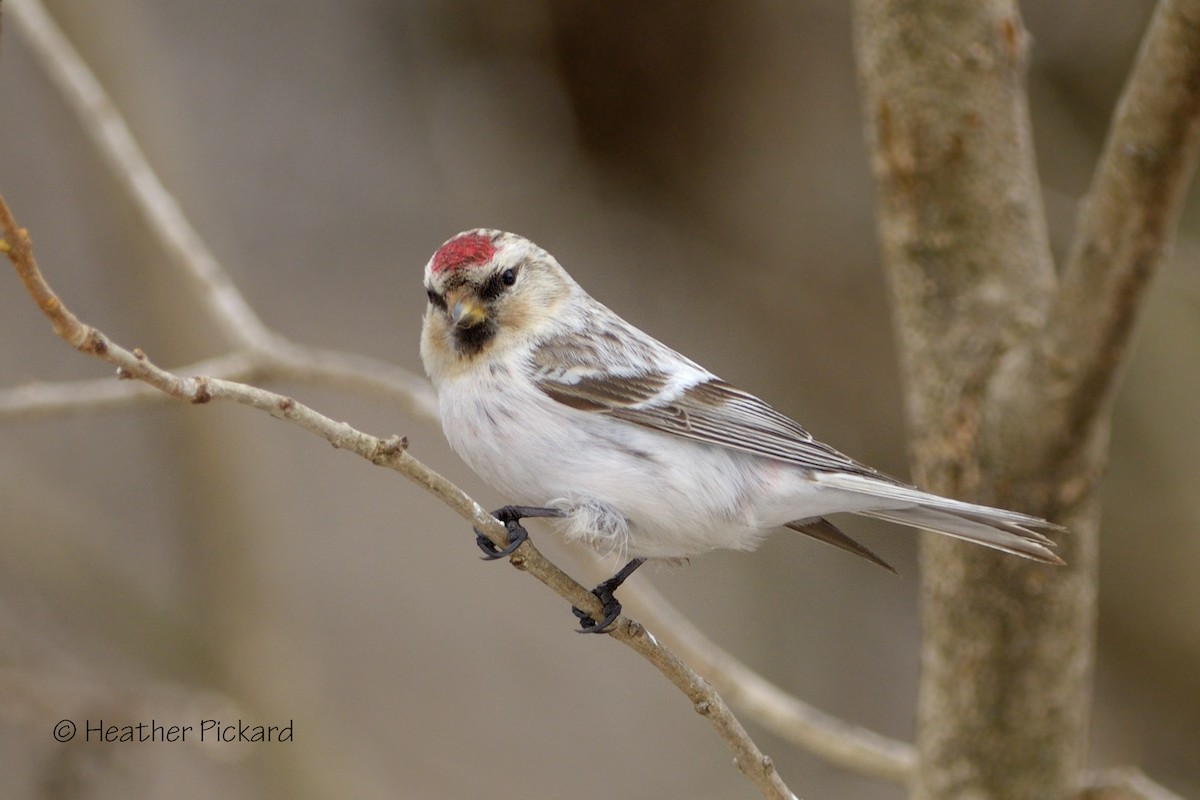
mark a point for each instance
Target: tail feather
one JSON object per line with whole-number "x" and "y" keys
{"x": 1015, "y": 540}
{"x": 1008, "y": 531}
{"x": 823, "y": 530}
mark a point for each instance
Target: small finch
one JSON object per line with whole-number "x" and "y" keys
{"x": 634, "y": 449}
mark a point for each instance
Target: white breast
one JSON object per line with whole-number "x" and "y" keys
{"x": 678, "y": 497}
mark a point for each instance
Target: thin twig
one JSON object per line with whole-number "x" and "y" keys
{"x": 391, "y": 453}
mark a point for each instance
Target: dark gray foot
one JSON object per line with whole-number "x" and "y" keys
{"x": 611, "y": 606}
{"x": 511, "y": 516}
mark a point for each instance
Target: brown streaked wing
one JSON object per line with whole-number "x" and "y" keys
{"x": 604, "y": 393}
{"x": 713, "y": 412}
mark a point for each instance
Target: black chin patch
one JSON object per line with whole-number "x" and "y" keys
{"x": 469, "y": 341}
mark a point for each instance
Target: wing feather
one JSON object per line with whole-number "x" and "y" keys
{"x": 709, "y": 410}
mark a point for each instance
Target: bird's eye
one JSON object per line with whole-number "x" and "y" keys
{"x": 435, "y": 298}
{"x": 497, "y": 283}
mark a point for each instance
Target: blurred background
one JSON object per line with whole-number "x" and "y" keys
{"x": 700, "y": 168}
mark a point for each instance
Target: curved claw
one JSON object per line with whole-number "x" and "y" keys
{"x": 511, "y": 516}
{"x": 516, "y": 536}
{"x": 609, "y": 604}
{"x": 612, "y": 610}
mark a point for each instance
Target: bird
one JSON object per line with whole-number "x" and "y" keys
{"x": 631, "y": 448}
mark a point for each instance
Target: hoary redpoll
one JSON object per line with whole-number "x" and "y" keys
{"x": 637, "y": 451}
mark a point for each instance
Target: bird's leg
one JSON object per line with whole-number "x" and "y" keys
{"x": 511, "y": 516}
{"x": 611, "y": 605}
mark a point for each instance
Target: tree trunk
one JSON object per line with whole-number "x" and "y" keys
{"x": 1011, "y": 371}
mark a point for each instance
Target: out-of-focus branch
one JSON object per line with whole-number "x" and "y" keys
{"x": 790, "y": 718}
{"x": 1124, "y": 784}
{"x": 107, "y": 129}
{"x": 1127, "y": 221}
{"x": 41, "y": 400}
{"x": 284, "y": 361}
{"x": 391, "y": 453}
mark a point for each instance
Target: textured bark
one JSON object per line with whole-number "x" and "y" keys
{"x": 1009, "y": 375}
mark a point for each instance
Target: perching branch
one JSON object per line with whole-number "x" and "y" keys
{"x": 391, "y": 453}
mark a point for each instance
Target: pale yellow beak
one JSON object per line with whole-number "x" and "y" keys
{"x": 465, "y": 311}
